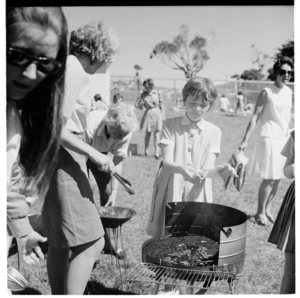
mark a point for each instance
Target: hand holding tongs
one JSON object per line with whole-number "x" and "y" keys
{"x": 125, "y": 183}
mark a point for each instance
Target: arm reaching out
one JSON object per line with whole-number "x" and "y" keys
{"x": 259, "y": 106}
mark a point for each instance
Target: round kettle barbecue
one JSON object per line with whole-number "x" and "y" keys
{"x": 225, "y": 225}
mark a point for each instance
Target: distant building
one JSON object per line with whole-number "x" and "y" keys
{"x": 100, "y": 82}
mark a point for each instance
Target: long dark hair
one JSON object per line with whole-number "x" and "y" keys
{"x": 41, "y": 108}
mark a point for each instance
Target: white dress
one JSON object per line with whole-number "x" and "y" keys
{"x": 273, "y": 134}
{"x": 191, "y": 144}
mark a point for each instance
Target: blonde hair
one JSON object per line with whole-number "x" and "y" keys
{"x": 122, "y": 118}
{"x": 95, "y": 40}
{"x": 200, "y": 87}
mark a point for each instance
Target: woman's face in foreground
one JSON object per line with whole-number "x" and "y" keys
{"x": 36, "y": 42}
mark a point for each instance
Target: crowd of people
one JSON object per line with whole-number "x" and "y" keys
{"x": 58, "y": 135}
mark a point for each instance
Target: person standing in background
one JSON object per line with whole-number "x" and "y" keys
{"x": 99, "y": 104}
{"x": 117, "y": 99}
{"x": 272, "y": 114}
{"x": 154, "y": 115}
{"x": 224, "y": 103}
{"x": 240, "y": 103}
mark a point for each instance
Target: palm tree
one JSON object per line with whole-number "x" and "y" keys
{"x": 138, "y": 84}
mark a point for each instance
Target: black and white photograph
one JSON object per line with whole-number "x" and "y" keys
{"x": 150, "y": 150}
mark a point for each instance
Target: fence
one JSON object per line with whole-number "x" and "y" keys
{"x": 170, "y": 88}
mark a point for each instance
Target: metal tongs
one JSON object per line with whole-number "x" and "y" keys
{"x": 15, "y": 280}
{"x": 125, "y": 183}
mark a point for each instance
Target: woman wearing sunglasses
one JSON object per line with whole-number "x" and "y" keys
{"x": 36, "y": 57}
{"x": 71, "y": 221}
{"x": 272, "y": 113}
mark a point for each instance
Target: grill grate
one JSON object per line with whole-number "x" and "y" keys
{"x": 214, "y": 280}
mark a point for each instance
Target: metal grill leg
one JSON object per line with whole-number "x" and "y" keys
{"x": 156, "y": 288}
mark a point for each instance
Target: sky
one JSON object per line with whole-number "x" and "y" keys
{"x": 236, "y": 28}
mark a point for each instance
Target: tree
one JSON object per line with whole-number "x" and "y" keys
{"x": 286, "y": 49}
{"x": 182, "y": 54}
{"x": 259, "y": 59}
{"x": 138, "y": 82}
{"x": 252, "y": 74}
{"x": 137, "y": 68}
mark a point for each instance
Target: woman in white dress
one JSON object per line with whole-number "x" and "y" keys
{"x": 272, "y": 113}
{"x": 154, "y": 115}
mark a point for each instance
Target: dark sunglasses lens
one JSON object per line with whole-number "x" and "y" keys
{"x": 47, "y": 66}
{"x": 282, "y": 72}
{"x": 17, "y": 58}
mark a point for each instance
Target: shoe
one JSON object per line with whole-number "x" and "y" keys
{"x": 156, "y": 157}
{"x": 260, "y": 221}
{"x": 146, "y": 154}
{"x": 120, "y": 254}
{"x": 270, "y": 218}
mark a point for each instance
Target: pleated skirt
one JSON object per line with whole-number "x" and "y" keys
{"x": 152, "y": 120}
{"x": 283, "y": 231}
{"x": 267, "y": 161}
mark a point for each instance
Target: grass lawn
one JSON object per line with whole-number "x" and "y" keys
{"x": 263, "y": 262}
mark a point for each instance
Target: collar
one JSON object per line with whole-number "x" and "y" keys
{"x": 101, "y": 129}
{"x": 186, "y": 121}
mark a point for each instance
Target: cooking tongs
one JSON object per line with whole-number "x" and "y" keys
{"x": 125, "y": 183}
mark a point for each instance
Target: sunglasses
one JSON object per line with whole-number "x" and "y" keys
{"x": 283, "y": 72}
{"x": 20, "y": 58}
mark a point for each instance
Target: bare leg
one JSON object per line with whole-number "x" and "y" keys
{"x": 263, "y": 195}
{"x": 57, "y": 267}
{"x": 113, "y": 239}
{"x": 243, "y": 111}
{"x": 147, "y": 140}
{"x": 270, "y": 201}
{"x": 156, "y": 136}
{"x": 288, "y": 279}
{"x": 81, "y": 265}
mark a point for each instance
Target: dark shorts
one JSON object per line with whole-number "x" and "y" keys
{"x": 70, "y": 216}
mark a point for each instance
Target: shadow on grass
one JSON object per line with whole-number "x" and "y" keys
{"x": 96, "y": 288}
{"x": 28, "y": 291}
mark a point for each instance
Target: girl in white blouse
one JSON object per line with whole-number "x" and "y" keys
{"x": 189, "y": 147}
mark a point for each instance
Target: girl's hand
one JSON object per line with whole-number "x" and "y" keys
{"x": 112, "y": 199}
{"x": 226, "y": 170}
{"x": 30, "y": 249}
{"x": 192, "y": 175}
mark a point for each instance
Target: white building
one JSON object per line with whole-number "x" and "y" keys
{"x": 100, "y": 83}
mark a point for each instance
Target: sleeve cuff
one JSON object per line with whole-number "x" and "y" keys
{"x": 20, "y": 227}
{"x": 166, "y": 142}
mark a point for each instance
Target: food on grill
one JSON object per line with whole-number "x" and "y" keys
{"x": 186, "y": 251}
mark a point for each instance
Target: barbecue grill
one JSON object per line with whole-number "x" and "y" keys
{"x": 114, "y": 217}
{"x": 184, "y": 263}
